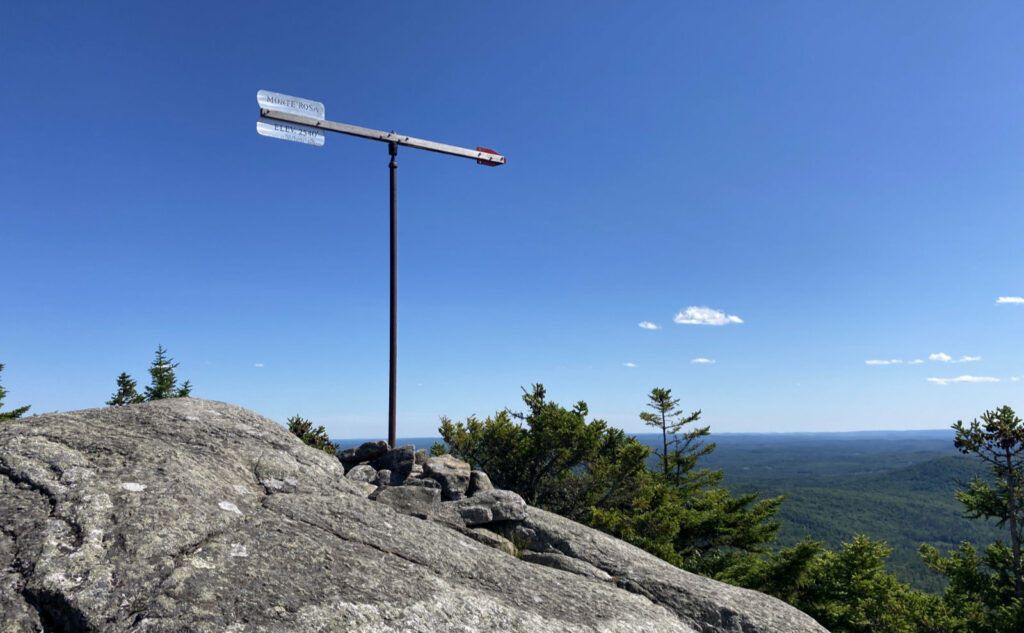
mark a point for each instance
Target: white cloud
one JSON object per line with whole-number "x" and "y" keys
{"x": 916, "y": 361}
{"x": 702, "y": 315}
{"x": 882, "y": 362}
{"x": 946, "y": 358}
{"x": 1010, "y": 300}
{"x": 946, "y": 381}
{"x": 629, "y": 364}
{"x": 258, "y": 365}
{"x": 1015, "y": 378}
{"x": 647, "y": 325}
{"x": 703, "y": 361}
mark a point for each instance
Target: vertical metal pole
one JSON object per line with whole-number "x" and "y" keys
{"x": 393, "y": 166}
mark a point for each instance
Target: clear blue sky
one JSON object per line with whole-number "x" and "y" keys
{"x": 844, "y": 178}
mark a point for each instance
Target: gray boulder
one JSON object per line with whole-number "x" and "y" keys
{"x": 398, "y": 461}
{"x": 490, "y": 506}
{"x": 363, "y": 472}
{"x": 192, "y": 515}
{"x": 422, "y": 455}
{"x": 422, "y": 481}
{"x": 363, "y": 453}
{"x": 383, "y": 478}
{"x": 478, "y": 482}
{"x": 451, "y": 473}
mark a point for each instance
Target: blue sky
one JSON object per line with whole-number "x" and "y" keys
{"x": 845, "y": 179}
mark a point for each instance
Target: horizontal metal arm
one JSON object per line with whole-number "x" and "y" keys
{"x": 387, "y": 137}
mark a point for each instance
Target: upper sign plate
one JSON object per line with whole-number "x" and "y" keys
{"x": 289, "y": 104}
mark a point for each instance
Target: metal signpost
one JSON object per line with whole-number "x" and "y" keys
{"x": 302, "y": 121}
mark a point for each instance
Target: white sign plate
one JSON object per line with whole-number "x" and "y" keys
{"x": 292, "y": 105}
{"x": 290, "y": 131}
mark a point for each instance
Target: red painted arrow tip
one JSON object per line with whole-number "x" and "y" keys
{"x": 489, "y": 163}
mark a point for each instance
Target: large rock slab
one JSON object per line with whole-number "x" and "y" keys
{"x": 706, "y": 605}
{"x": 192, "y": 515}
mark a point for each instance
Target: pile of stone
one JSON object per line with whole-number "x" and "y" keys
{"x": 441, "y": 488}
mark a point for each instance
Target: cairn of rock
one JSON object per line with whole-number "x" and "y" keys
{"x": 442, "y": 488}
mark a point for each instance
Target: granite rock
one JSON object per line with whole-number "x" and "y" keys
{"x": 363, "y": 453}
{"x": 192, "y": 515}
{"x": 478, "y": 482}
{"x": 398, "y": 461}
{"x": 490, "y": 506}
{"x": 363, "y": 472}
{"x": 451, "y": 473}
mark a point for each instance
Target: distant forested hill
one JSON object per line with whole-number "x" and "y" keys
{"x": 893, "y": 486}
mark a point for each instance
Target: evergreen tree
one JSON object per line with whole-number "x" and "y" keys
{"x": 15, "y": 413}
{"x": 678, "y": 455}
{"x": 125, "y": 393}
{"x": 317, "y": 438}
{"x": 998, "y": 439}
{"x": 163, "y": 383}
{"x": 550, "y": 455}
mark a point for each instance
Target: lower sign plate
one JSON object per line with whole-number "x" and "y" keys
{"x": 290, "y": 131}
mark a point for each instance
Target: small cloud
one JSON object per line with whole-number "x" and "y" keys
{"x": 881, "y": 362}
{"x": 701, "y": 315}
{"x": 258, "y": 365}
{"x": 946, "y": 358}
{"x": 1010, "y": 300}
{"x": 629, "y": 364}
{"x": 703, "y": 361}
{"x": 1015, "y": 378}
{"x": 647, "y": 325}
{"x": 916, "y": 361}
{"x": 946, "y": 381}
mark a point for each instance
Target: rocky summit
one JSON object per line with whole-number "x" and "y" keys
{"x": 192, "y": 515}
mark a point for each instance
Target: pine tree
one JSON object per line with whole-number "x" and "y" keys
{"x": 9, "y": 415}
{"x": 164, "y": 384}
{"x": 317, "y": 438}
{"x": 678, "y": 455}
{"x": 126, "y": 393}
{"x": 998, "y": 439}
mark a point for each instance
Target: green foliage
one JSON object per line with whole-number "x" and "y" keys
{"x": 163, "y": 382}
{"x": 980, "y": 588}
{"x": 597, "y": 475}
{"x": 649, "y": 519}
{"x": 719, "y": 529}
{"x": 125, "y": 393}
{"x": 784, "y": 574}
{"x": 998, "y": 439}
{"x": 849, "y": 591}
{"x": 14, "y": 413}
{"x": 317, "y": 438}
{"x": 551, "y": 455}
